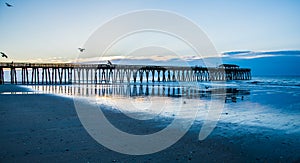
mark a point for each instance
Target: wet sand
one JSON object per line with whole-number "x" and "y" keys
{"x": 43, "y": 127}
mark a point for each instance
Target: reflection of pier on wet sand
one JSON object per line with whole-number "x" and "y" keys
{"x": 66, "y": 73}
{"x": 141, "y": 90}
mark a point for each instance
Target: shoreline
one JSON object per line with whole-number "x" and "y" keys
{"x": 33, "y": 129}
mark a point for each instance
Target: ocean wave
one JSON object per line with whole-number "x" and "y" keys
{"x": 293, "y": 83}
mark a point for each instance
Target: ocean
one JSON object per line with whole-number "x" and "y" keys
{"x": 265, "y": 101}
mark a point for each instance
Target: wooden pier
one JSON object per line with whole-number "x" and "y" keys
{"x": 68, "y": 73}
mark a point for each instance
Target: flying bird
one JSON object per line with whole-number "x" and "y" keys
{"x": 8, "y": 5}
{"x": 81, "y": 49}
{"x": 109, "y": 62}
{"x": 3, "y": 55}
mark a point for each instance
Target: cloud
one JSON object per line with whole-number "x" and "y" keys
{"x": 235, "y": 53}
{"x": 47, "y": 60}
{"x": 260, "y": 54}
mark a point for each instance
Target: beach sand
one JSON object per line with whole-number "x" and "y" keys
{"x": 45, "y": 128}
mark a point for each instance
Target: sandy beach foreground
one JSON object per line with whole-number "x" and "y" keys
{"x": 45, "y": 128}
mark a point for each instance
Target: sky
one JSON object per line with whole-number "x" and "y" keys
{"x": 51, "y": 31}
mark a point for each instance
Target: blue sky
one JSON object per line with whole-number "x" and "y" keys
{"x": 52, "y": 30}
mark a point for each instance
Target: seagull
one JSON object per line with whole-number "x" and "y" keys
{"x": 3, "y": 55}
{"x": 81, "y": 49}
{"x": 109, "y": 62}
{"x": 9, "y": 5}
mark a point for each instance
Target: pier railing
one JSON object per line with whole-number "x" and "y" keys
{"x": 67, "y": 73}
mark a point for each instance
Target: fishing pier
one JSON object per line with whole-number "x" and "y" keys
{"x": 69, "y": 73}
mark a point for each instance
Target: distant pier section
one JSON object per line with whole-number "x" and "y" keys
{"x": 69, "y": 73}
